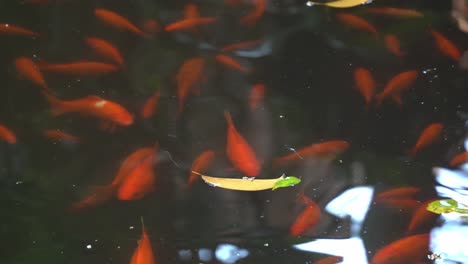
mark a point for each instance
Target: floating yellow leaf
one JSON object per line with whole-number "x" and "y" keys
{"x": 340, "y": 3}
{"x": 251, "y": 184}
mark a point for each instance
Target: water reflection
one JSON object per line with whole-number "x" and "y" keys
{"x": 450, "y": 238}
{"x": 352, "y": 203}
{"x": 224, "y": 253}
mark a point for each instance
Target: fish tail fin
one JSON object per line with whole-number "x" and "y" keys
{"x": 155, "y": 147}
{"x": 228, "y": 117}
{"x": 192, "y": 178}
{"x": 196, "y": 91}
{"x": 276, "y": 163}
{"x": 409, "y": 230}
{"x": 180, "y": 109}
{"x": 100, "y": 195}
{"x": 378, "y": 100}
{"x": 152, "y": 155}
{"x": 143, "y": 229}
{"x": 58, "y": 106}
{"x": 412, "y": 152}
{"x": 367, "y": 105}
{"x": 397, "y": 99}
{"x": 304, "y": 199}
{"x": 376, "y": 35}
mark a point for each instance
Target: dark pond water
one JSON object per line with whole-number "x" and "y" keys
{"x": 305, "y": 57}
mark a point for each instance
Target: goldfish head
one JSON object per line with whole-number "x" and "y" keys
{"x": 115, "y": 112}
{"x": 124, "y": 118}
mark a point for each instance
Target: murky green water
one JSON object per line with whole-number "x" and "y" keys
{"x": 306, "y": 61}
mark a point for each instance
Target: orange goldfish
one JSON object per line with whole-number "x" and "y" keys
{"x": 307, "y": 219}
{"x": 189, "y": 23}
{"x": 7, "y": 135}
{"x": 81, "y": 68}
{"x": 393, "y": 45}
{"x": 356, "y": 22}
{"x": 256, "y": 96}
{"x": 29, "y": 70}
{"x": 132, "y": 161}
{"x": 400, "y": 203}
{"x": 395, "y": 12}
{"x": 240, "y": 45}
{"x": 420, "y": 217}
{"x": 188, "y": 76}
{"x": 327, "y": 149}
{"x": 329, "y": 260}
{"x": 396, "y": 86}
{"x": 239, "y": 152}
{"x": 117, "y": 21}
{"x": 151, "y": 26}
{"x": 200, "y": 164}
{"x": 446, "y": 46}
{"x": 151, "y": 105}
{"x": 139, "y": 181}
{"x": 429, "y": 135}
{"x": 143, "y": 254}
{"x": 105, "y": 49}
{"x": 459, "y": 159}
{"x": 253, "y": 16}
{"x": 231, "y": 63}
{"x": 104, "y": 193}
{"x": 400, "y": 192}
{"x": 95, "y": 106}
{"x": 60, "y": 136}
{"x": 406, "y": 250}
{"x": 191, "y": 11}
{"x": 10, "y": 29}
{"x": 365, "y": 84}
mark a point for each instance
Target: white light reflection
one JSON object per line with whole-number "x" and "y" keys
{"x": 205, "y": 254}
{"x": 451, "y": 178}
{"x": 352, "y": 249}
{"x": 227, "y": 253}
{"x": 451, "y": 239}
{"x": 185, "y": 254}
{"x": 262, "y": 50}
{"x": 355, "y": 203}
{"x": 454, "y": 182}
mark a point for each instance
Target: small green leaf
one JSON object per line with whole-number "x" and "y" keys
{"x": 442, "y": 206}
{"x": 286, "y": 182}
